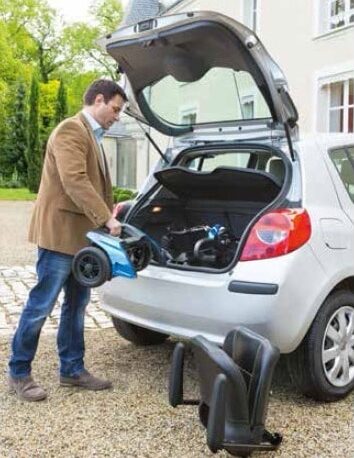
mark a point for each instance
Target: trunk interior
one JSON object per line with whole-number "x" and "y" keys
{"x": 203, "y": 205}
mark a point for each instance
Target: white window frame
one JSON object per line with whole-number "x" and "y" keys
{"x": 129, "y": 182}
{"x": 323, "y": 9}
{"x": 345, "y": 107}
{"x": 345, "y": 16}
{"x": 246, "y": 99}
{"x": 185, "y": 111}
{"x": 322, "y": 79}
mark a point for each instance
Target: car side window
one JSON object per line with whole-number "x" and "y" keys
{"x": 343, "y": 160}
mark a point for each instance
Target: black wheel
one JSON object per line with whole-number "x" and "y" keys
{"x": 140, "y": 255}
{"x": 323, "y": 365}
{"x": 138, "y": 335}
{"x": 91, "y": 267}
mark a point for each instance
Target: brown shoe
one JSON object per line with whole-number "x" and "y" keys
{"x": 26, "y": 389}
{"x": 87, "y": 381}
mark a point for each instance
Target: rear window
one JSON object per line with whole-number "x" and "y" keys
{"x": 209, "y": 162}
{"x": 343, "y": 160}
{"x": 221, "y": 95}
{"x": 255, "y": 160}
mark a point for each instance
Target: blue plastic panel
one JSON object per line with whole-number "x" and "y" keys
{"x": 121, "y": 265}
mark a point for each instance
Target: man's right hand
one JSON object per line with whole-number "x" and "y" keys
{"x": 114, "y": 226}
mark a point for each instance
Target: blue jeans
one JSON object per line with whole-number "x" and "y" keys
{"x": 54, "y": 274}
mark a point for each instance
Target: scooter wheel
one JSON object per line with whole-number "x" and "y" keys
{"x": 91, "y": 267}
{"x": 140, "y": 255}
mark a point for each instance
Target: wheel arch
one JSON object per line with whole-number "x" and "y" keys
{"x": 344, "y": 284}
{"x": 303, "y": 364}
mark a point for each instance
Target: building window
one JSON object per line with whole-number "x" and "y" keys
{"x": 250, "y": 13}
{"x": 340, "y": 13}
{"x": 189, "y": 116}
{"x": 247, "y": 106}
{"x": 341, "y": 106}
{"x": 126, "y": 163}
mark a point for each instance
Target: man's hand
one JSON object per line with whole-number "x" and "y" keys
{"x": 114, "y": 226}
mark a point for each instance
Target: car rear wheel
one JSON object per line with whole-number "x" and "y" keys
{"x": 138, "y": 335}
{"x": 323, "y": 365}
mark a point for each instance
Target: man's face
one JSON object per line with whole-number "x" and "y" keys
{"x": 107, "y": 113}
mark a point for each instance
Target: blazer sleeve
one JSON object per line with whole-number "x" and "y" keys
{"x": 70, "y": 149}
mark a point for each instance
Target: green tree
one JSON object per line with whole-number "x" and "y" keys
{"x": 37, "y": 34}
{"x": 77, "y": 84}
{"x": 81, "y": 38}
{"x": 17, "y": 139}
{"x": 108, "y": 14}
{"x": 33, "y": 39}
{"x": 34, "y": 157}
{"x": 51, "y": 48}
{"x": 47, "y": 103}
{"x": 12, "y": 70}
{"x": 16, "y": 14}
{"x": 61, "y": 109}
{"x": 4, "y": 172}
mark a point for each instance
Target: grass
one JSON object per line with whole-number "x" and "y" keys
{"x": 16, "y": 194}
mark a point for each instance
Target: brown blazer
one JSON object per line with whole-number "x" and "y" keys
{"x": 74, "y": 196}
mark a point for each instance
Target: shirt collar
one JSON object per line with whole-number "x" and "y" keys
{"x": 97, "y": 129}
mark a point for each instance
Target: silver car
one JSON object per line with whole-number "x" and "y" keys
{"x": 252, "y": 224}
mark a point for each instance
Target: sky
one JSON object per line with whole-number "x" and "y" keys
{"x": 73, "y": 10}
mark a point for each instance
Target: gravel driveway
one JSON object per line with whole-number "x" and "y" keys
{"x": 134, "y": 419}
{"x": 14, "y": 248}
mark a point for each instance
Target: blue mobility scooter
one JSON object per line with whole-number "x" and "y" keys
{"x": 108, "y": 257}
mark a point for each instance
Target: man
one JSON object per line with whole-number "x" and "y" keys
{"x": 75, "y": 196}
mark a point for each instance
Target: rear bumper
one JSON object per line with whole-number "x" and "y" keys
{"x": 182, "y": 321}
{"x": 266, "y": 299}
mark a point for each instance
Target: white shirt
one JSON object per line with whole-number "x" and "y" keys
{"x": 98, "y": 132}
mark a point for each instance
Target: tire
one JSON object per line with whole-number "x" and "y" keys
{"x": 138, "y": 335}
{"x": 91, "y": 267}
{"x": 327, "y": 376}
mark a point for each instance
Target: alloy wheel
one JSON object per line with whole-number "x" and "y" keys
{"x": 338, "y": 347}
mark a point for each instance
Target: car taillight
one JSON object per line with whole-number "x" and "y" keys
{"x": 276, "y": 233}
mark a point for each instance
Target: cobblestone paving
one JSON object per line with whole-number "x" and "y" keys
{"x": 15, "y": 283}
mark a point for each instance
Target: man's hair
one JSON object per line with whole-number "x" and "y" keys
{"x": 107, "y": 88}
